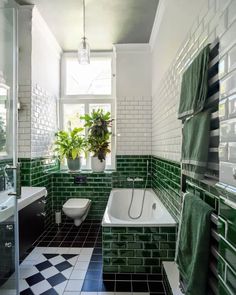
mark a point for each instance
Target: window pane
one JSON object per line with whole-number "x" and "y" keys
{"x": 106, "y": 107}
{"x": 72, "y": 113}
{"x": 94, "y": 78}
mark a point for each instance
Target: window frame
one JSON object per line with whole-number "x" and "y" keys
{"x": 90, "y": 99}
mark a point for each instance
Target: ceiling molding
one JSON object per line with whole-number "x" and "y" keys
{"x": 157, "y": 23}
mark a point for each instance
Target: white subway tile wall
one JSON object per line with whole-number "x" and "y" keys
{"x": 216, "y": 20}
{"x": 134, "y": 125}
{"x": 24, "y": 121}
{"x": 37, "y": 122}
{"x": 43, "y": 122}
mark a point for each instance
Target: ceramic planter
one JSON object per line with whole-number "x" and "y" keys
{"x": 97, "y": 165}
{"x": 74, "y": 164}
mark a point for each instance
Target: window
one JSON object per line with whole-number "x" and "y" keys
{"x": 92, "y": 79}
{"x": 86, "y": 88}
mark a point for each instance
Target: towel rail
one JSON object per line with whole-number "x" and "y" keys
{"x": 211, "y": 175}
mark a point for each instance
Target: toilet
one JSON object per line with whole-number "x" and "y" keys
{"x": 77, "y": 209}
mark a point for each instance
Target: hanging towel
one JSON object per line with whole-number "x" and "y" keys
{"x": 194, "y": 244}
{"x": 194, "y": 85}
{"x": 195, "y": 144}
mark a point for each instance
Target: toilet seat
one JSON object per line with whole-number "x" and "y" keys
{"x": 76, "y": 203}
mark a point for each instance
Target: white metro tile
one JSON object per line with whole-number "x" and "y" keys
{"x": 78, "y": 274}
{"x": 74, "y": 285}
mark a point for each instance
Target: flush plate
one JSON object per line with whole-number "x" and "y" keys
{"x": 80, "y": 179}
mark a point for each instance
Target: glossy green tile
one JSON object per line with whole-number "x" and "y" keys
{"x": 228, "y": 253}
{"x": 231, "y": 280}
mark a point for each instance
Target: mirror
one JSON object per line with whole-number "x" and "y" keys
{"x": 4, "y": 119}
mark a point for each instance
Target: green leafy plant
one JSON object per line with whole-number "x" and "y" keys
{"x": 2, "y": 135}
{"x": 98, "y": 125}
{"x": 70, "y": 144}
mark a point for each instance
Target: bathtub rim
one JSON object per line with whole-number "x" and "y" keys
{"x": 117, "y": 222}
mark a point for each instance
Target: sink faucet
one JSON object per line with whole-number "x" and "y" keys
{"x": 17, "y": 179}
{"x": 7, "y": 181}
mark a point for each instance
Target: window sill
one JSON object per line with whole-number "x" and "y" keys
{"x": 84, "y": 171}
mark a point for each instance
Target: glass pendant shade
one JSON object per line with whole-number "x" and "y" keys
{"x": 84, "y": 49}
{"x": 84, "y": 52}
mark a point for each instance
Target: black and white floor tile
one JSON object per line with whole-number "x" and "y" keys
{"x": 68, "y": 261}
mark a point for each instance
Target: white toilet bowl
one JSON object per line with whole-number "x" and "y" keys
{"x": 77, "y": 209}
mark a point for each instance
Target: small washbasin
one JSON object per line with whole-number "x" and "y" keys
{"x": 6, "y": 206}
{"x": 28, "y": 196}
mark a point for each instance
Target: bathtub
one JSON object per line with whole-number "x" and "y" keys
{"x": 154, "y": 212}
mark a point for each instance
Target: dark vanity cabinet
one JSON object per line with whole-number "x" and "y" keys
{"x": 31, "y": 224}
{"x": 7, "y": 250}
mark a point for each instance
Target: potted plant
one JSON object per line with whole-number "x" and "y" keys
{"x": 70, "y": 145}
{"x": 99, "y": 125}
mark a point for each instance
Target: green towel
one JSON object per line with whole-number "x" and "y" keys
{"x": 194, "y": 244}
{"x": 195, "y": 145}
{"x": 194, "y": 85}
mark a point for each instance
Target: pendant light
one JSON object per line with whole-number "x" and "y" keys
{"x": 84, "y": 48}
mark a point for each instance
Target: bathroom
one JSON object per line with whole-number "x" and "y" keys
{"x": 117, "y": 73}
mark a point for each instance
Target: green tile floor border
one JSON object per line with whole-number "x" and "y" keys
{"x": 137, "y": 249}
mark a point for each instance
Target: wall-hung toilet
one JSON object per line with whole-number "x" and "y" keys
{"x": 77, "y": 209}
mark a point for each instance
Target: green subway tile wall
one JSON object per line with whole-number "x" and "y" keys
{"x": 97, "y": 188}
{"x": 35, "y": 172}
{"x": 131, "y": 166}
{"x": 137, "y": 249}
{"x": 38, "y": 172}
{"x": 166, "y": 184}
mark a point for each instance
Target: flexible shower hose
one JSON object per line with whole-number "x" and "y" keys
{"x": 132, "y": 197}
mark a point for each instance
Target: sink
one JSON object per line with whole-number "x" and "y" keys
{"x": 28, "y": 196}
{"x": 6, "y": 206}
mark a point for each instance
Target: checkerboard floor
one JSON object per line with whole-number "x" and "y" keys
{"x": 65, "y": 269}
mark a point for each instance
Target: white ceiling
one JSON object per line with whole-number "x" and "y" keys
{"x": 107, "y": 21}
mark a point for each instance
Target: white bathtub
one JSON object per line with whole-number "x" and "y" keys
{"x": 116, "y": 213}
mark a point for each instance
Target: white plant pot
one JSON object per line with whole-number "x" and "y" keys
{"x": 97, "y": 165}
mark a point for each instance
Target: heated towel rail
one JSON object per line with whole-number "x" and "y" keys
{"x": 212, "y": 173}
